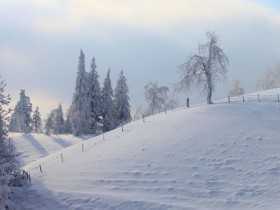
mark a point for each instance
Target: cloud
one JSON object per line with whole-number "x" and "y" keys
{"x": 156, "y": 15}
{"x": 15, "y": 60}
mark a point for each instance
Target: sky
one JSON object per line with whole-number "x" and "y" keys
{"x": 40, "y": 43}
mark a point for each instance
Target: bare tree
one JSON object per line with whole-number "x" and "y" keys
{"x": 271, "y": 79}
{"x": 236, "y": 90}
{"x": 204, "y": 69}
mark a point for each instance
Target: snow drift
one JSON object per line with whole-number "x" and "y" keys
{"x": 221, "y": 156}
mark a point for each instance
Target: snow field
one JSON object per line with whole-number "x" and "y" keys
{"x": 33, "y": 147}
{"x": 222, "y": 156}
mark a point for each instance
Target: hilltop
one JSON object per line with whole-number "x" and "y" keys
{"x": 220, "y": 156}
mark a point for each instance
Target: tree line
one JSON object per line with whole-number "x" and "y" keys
{"x": 93, "y": 110}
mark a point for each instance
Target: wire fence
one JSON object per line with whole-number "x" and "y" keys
{"x": 84, "y": 146}
{"x": 248, "y": 98}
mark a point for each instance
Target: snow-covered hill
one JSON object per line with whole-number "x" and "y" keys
{"x": 221, "y": 156}
{"x": 33, "y": 147}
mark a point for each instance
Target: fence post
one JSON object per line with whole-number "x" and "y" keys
{"x": 82, "y": 147}
{"x": 258, "y": 97}
{"x": 40, "y": 168}
{"x": 243, "y": 99}
{"x": 61, "y": 157}
{"x": 122, "y": 126}
{"x": 278, "y": 97}
{"x": 188, "y": 102}
{"x": 228, "y": 98}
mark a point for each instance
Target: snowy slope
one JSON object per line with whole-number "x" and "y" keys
{"x": 33, "y": 147}
{"x": 221, "y": 156}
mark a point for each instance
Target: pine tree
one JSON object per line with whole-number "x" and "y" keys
{"x": 121, "y": 100}
{"x": 21, "y": 121}
{"x": 80, "y": 110}
{"x": 49, "y": 124}
{"x": 109, "y": 121}
{"x": 37, "y": 121}
{"x": 94, "y": 95}
{"x": 9, "y": 177}
{"x": 59, "y": 122}
{"x": 55, "y": 122}
{"x": 68, "y": 127}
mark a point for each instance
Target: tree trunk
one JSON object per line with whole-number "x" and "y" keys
{"x": 209, "y": 87}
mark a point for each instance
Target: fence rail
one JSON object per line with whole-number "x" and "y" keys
{"x": 81, "y": 147}
{"x": 245, "y": 98}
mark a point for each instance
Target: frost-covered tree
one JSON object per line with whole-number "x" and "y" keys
{"x": 139, "y": 112}
{"x": 171, "y": 104}
{"x": 49, "y": 124}
{"x": 37, "y": 121}
{"x": 94, "y": 95}
{"x": 68, "y": 127}
{"x": 80, "y": 110}
{"x": 10, "y": 180}
{"x": 121, "y": 100}
{"x": 270, "y": 80}
{"x": 21, "y": 120}
{"x": 236, "y": 90}
{"x": 155, "y": 96}
{"x": 109, "y": 121}
{"x": 55, "y": 122}
{"x": 59, "y": 122}
{"x": 204, "y": 69}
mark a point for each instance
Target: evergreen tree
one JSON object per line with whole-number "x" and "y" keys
{"x": 37, "y": 121}
{"x": 109, "y": 121}
{"x": 80, "y": 110}
{"x": 21, "y": 121}
{"x": 55, "y": 122}
{"x": 59, "y": 122}
{"x": 121, "y": 100}
{"x": 9, "y": 177}
{"x": 94, "y": 95}
{"x": 49, "y": 124}
{"x": 68, "y": 127}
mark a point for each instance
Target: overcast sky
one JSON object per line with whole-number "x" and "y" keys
{"x": 40, "y": 41}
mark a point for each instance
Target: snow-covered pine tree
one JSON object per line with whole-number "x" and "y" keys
{"x": 94, "y": 95}
{"x": 49, "y": 124}
{"x": 37, "y": 121}
{"x": 21, "y": 121}
{"x": 9, "y": 177}
{"x": 55, "y": 122}
{"x": 68, "y": 127}
{"x": 59, "y": 122}
{"x": 80, "y": 111}
{"x": 109, "y": 121}
{"x": 121, "y": 100}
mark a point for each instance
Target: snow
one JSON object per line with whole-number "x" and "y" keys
{"x": 220, "y": 156}
{"x": 32, "y": 147}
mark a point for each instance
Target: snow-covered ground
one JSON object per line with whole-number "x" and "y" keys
{"x": 221, "y": 156}
{"x": 33, "y": 147}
